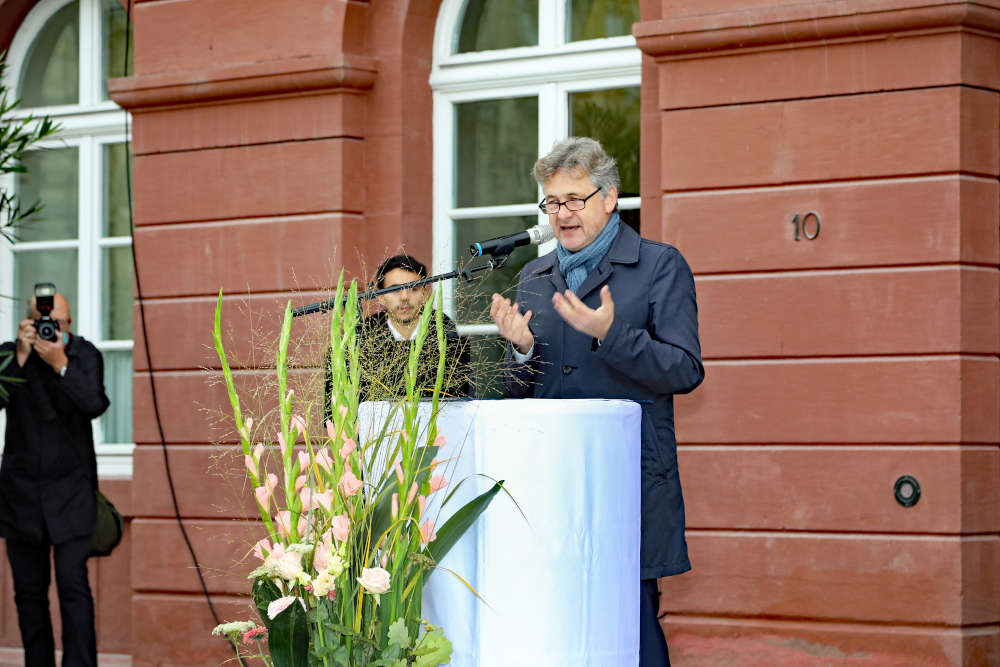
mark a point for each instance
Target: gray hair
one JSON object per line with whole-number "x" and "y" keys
{"x": 579, "y": 154}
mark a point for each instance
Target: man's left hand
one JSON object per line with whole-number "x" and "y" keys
{"x": 52, "y": 353}
{"x": 592, "y": 322}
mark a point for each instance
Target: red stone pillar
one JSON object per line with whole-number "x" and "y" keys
{"x": 847, "y": 349}
{"x": 249, "y": 131}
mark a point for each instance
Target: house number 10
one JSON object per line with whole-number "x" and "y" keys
{"x": 804, "y": 228}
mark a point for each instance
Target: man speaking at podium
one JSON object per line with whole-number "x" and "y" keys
{"x": 609, "y": 314}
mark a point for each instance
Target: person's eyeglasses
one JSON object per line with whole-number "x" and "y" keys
{"x": 575, "y": 204}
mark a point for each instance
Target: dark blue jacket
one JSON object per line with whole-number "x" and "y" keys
{"x": 650, "y": 353}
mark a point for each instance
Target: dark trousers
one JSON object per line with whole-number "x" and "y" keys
{"x": 652, "y": 642}
{"x": 30, "y": 568}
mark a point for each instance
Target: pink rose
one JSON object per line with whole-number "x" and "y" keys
{"x": 374, "y": 580}
{"x": 349, "y": 484}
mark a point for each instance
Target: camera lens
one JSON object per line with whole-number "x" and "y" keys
{"x": 47, "y": 330}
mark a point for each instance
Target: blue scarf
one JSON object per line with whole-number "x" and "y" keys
{"x": 576, "y": 266}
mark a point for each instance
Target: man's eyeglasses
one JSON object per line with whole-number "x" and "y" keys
{"x": 575, "y": 204}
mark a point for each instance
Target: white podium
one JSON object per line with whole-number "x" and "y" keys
{"x": 561, "y": 582}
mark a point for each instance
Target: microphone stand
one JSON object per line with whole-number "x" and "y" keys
{"x": 497, "y": 260}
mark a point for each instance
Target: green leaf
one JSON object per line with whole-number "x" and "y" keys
{"x": 264, "y": 592}
{"x": 434, "y": 649}
{"x": 460, "y": 521}
{"x": 398, "y": 635}
{"x": 288, "y": 637}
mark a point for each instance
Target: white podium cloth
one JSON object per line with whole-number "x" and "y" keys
{"x": 561, "y": 582}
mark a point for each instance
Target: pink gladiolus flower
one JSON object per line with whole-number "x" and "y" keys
{"x": 412, "y": 494}
{"x": 439, "y": 442}
{"x": 249, "y": 423}
{"x": 421, "y": 503}
{"x": 251, "y": 464}
{"x": 437, "y": 482}
{"x": 323, "y": 460}
{"x": 324, "y": 500}
{"x": 281, "y": 443}
{"x": 349, "y": 484}
{"x": 331, "y": 430}
{"x": 340, "y": 526}
{"x": 342, "y": 409}
{"x": 303, "y": 460}
{"x": 258, "y": 450}
{"x": 299, "y": 422}
{"x": 349, "y": 446}
{"x": 280, "y": 605}
{"x": 243, "y": 433}
{"x": 262, "y": 546}
{"x": 300, "y": 482}
{"x": 264, "y": 492}
{"x": 283, "y": 522}
{"x": 427, "y": 533}
{"x": 395, "y": 505}
{"x": 399, "y": 471}
{"x": 305, "y": 495}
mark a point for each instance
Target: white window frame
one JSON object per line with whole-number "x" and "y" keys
{"x": 87, "y": 126}
{"x": 551, "y": 71}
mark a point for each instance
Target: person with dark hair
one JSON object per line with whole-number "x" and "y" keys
{"x": 48, "y": 480}
{"x": 384, "y": 340}
{"x": 609, "y": 314}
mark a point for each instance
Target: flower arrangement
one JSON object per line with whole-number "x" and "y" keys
{"x": 348, "y": 544}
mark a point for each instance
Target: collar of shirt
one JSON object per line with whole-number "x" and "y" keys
{"x": 398, "y": 337}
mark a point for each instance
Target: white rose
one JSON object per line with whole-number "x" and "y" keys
{"x": 374, "y": 580}
{"x": 289, "y": 565}
{"x": 322, "y": 584}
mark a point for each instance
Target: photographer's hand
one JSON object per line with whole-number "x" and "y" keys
{"x": 52, "y": 353}
{"x": 26, "y": 336}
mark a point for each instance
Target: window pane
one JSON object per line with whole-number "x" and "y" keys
{"x": 51, "y": 70}
{"x": 114, "y": 21}
{"x": 611, "y": 117}
{"x": 498, "y": 24}
{"x": 43, "y": 266}
{"x": 116, "y": 221}
{"x": 51, "y": 179}
{"x": 116, "y": 423}
{"x": 594, "y": 19}
{"x": 116, "y": 293}
{"x": 497, "y": 145}
{"x": 472, "y": 299}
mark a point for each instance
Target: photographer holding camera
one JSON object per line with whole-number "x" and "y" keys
{"x": 49, "y": 476}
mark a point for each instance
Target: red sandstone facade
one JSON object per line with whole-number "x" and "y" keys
{"x": 272, "y": 136}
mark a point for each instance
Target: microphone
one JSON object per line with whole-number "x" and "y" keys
{"x": 504, "y": 245}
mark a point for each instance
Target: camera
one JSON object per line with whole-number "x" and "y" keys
{"x": 45, "y": 298}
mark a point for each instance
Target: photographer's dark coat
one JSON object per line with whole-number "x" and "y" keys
{"x": 49, "y": 469}
{"x": 650, "y": 353}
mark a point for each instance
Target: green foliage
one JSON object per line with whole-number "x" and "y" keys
{"x": 288, "y": 638}
{"x": 17, "y": 136}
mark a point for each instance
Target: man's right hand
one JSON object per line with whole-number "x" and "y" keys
{"x": 512, "y": 324}
{"x": 26, "y": 337}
